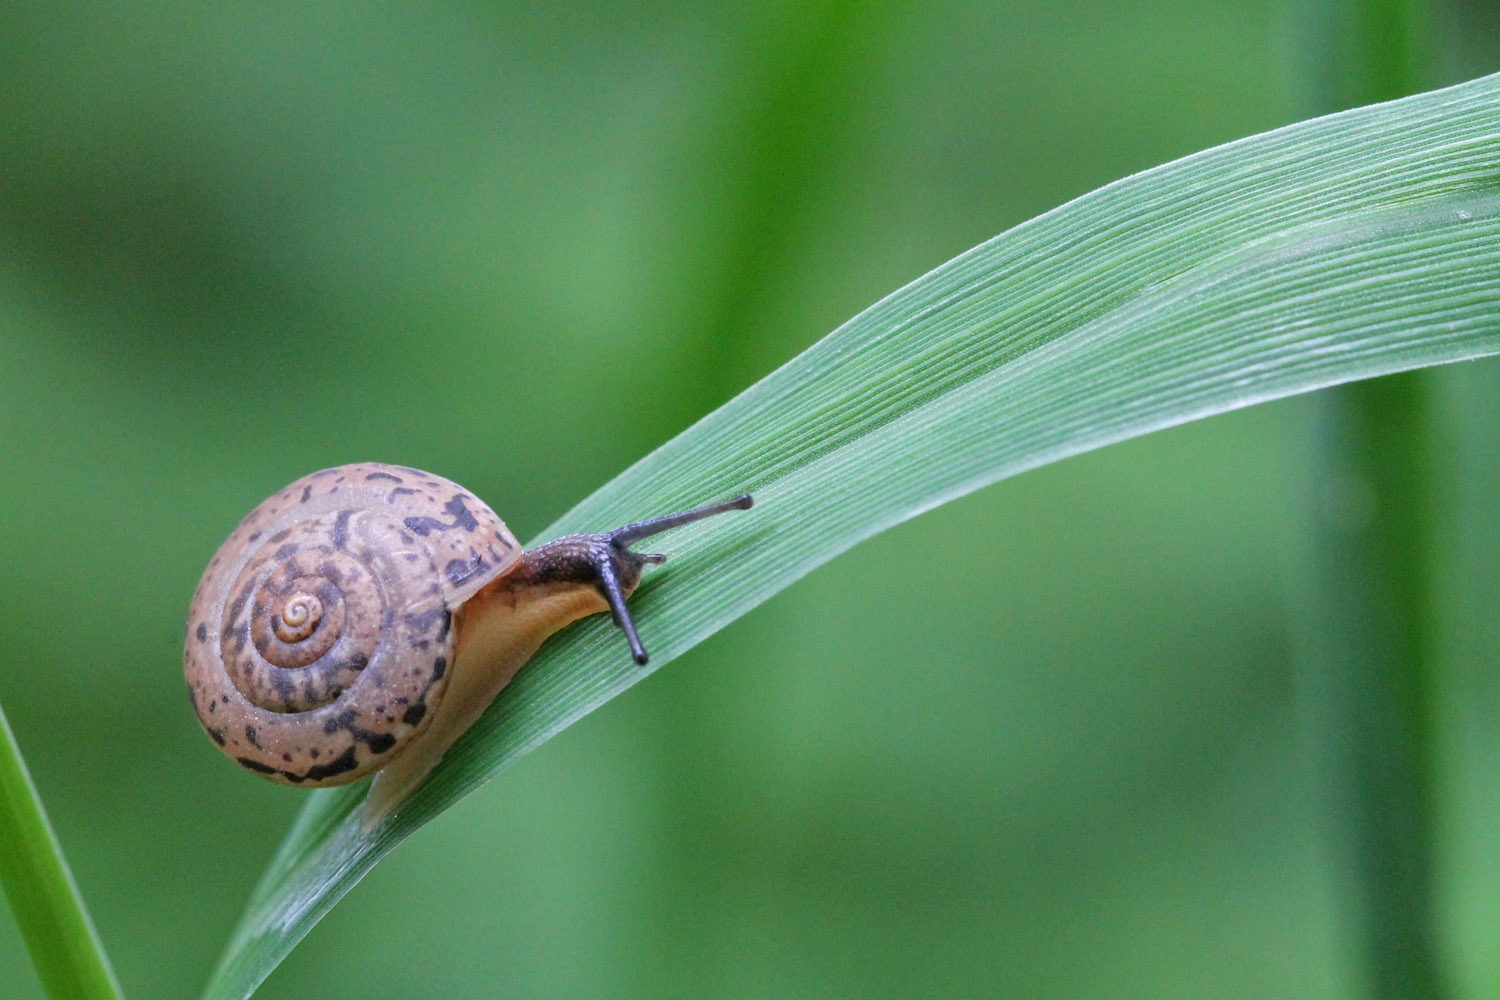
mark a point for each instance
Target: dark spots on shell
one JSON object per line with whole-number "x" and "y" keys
{"x": 411, "y": 557}
{"x": 383, "y": 475}
{"x": 281, "y": 535}
{"x": 462, "y": 518}
{"x": 202, "y": 632}
{"x": 414, "y": 714}
{"x": 213, "y": 703}
{"x": 377, "y": 742}
{"x": 439, "y": 668}
{"x": 399, "y": 491}
{"x": 250, "y": 736}
{"x": 287, "y": 551}
{"x": 341, "y": 528}
{"x": 217, "y": 736}
{"x": 459, "y": 571}
{"x": 357, "y": 662}
{"x": 262, "y": 643}
{"x": 306, "y": 493}
{"x": 328, "y": 571}
{"x": 424, "y": 526}
{"x": 315, "y": 753}
{"x": 235, "y": 607}
{"x": 287, "y": 757}
{"x": 423, "y": 622}
{"x": 344, "y": 763}
{"x": 343, "y": 720}
{"x": 254, "y": 536}
{"x": 257, "y": 766}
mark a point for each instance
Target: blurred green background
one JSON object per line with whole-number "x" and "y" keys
{"x": 1045, "y": 741}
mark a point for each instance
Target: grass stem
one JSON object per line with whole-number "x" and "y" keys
{"x": 65, "y": 949}
{"x": 1369, "y": 673}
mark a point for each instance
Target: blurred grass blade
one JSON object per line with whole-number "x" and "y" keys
{"x": 1337, "y": 249}
{"x": 68, "y": 956}
{"x": 1367, "y": 627}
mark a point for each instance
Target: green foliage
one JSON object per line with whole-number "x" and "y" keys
{"x": 1343, "y": 248}
{"x": 69, "y": 959}
{"x": 1044, "y": 740}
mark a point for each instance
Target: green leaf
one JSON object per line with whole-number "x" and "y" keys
{"x": 1336, "y": 249}
{"x": 66, "y": 951}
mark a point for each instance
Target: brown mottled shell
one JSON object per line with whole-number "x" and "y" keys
{"x": 319, "y": 639}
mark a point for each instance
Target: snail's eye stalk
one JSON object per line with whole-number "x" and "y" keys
{"x": 630, "y": 533}
{"x": 621, "y": 538}
{"x": 610, "y": 585}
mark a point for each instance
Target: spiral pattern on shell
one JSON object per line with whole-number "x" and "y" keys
{"x": 321, "y": 636}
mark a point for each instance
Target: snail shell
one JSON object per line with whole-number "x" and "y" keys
{"x": 321, "y": 636}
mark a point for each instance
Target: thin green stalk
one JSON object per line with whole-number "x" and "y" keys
{"x": 68, "y": 955}
{"x": 1369, "y": 674}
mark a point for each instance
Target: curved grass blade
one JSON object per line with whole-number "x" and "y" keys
{"x": 60, "y": 937}
{"x": 1337, "y": 249}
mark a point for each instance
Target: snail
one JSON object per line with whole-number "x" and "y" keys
{"x": 362, "y": 618}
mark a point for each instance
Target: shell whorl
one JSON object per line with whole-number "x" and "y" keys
{"x": 320, "y": 637}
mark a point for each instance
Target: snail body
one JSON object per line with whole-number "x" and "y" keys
{"x": 362, "y": 618}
